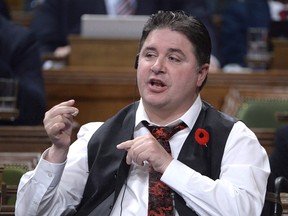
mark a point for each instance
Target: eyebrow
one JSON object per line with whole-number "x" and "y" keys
{"x": 149, "y": 48}
{"x": 175, "y": 50}
{"x": 171, "y": 50}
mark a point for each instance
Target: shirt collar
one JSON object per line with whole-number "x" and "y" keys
{"x": 189, "y": 117}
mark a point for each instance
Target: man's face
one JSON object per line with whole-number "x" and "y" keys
{"x": 168, "y": 75}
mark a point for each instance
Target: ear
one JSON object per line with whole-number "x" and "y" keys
{"x": 136, "y": 61}
{"x": 202, "y": 74}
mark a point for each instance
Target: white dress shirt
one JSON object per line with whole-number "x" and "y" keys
{"x": 240, "y": 190}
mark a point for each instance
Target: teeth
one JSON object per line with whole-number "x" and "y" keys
{"x": 158, "y": 83}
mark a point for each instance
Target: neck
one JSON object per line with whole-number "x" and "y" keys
{"x": 163, "y": 117}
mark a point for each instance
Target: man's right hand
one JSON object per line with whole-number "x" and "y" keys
{"x": 58, "y": 123}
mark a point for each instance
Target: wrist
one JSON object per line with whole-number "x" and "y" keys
{"x": 56, "y": 155}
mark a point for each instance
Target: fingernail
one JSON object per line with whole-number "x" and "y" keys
{"x": 75, "y": 113}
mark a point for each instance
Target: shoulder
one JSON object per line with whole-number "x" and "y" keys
{"x": 88, "y": 129}
{"x": 216, "y": 114}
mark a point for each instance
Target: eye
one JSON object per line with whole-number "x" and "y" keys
{"x": 150, "y": 55}
{"x": 174, "y": 59}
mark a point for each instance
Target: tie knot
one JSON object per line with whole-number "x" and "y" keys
{"x": 164, "y": 133}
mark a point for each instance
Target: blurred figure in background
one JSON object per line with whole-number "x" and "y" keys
{"x": 237, "y": 18}
{"x": 20, "y": 60}
{"x": 62, "y": 18}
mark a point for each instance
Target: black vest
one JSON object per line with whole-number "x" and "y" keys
{"x": 108, "y": 168}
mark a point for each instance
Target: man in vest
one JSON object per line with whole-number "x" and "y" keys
{"x": 215, "y": 164}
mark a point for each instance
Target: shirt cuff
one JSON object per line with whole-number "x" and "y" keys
{"x": 183, "y": 172}
{"x": 48, "y": 173}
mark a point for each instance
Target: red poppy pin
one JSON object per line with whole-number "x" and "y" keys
{"x": 202, "y": 136}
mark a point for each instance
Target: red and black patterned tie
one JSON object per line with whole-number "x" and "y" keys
{"x": 160, "y": 195}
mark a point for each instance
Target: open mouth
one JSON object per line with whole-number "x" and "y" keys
{"x": 157, "y": 83}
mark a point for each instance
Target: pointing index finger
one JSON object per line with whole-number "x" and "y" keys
{"x": 125, "y": 145}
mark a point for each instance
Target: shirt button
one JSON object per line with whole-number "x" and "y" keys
{"x": 50, "y": 174}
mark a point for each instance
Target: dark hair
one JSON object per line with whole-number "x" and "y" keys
{"x": 189, "y": 26}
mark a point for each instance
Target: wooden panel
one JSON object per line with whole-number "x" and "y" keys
{"x": 280, "y": 51}
{"x": 26, "y": 138}
{"x": 96, "y": 52}
{"x": 7, "y": 210}
{"x": 23, "y": 139}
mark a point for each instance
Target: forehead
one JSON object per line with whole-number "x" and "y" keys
{"x": 167, "y": 38}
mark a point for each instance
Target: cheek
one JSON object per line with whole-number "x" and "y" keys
{"x": 143, "y": 71}
{"x": 189, "y": 78}
{"x": 138, "y": 78}
{"x": 141, "y": 77}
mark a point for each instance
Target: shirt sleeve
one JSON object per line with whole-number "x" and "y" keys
{"x": 241, "y": 188}
{"x": 40, "y": 192}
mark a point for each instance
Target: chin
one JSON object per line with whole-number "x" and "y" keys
{"x": 154, "y": 102}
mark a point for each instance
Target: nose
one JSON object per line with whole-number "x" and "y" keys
{"x": 158, "y": 66}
